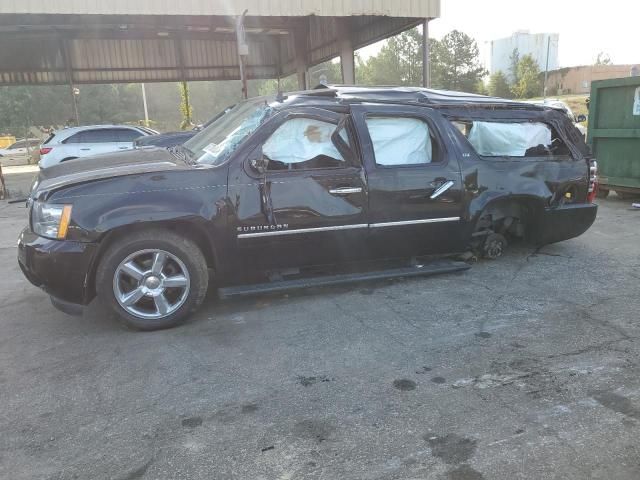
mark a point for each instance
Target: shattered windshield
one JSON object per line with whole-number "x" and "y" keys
{"x": 215, "y": 144}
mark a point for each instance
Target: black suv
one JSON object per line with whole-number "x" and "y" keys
{"x": 281, "y": 185}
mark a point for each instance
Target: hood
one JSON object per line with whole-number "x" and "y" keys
{"x": 109, "y": 165}
{"x": 165, "y": 139}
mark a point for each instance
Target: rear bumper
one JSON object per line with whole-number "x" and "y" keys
{"x": 59, "y": 267}
{"x": 562, "y": 223}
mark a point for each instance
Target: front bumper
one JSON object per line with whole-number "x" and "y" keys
{"x": 565, "y": 222}
{"x": 60, "y": 267}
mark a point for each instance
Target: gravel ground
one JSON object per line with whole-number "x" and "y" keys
{"x": 523, "y": 368}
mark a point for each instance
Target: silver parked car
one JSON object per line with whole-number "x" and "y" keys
{"x": 79, "y": 142}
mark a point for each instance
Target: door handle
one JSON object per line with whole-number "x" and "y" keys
{"x": 345, "y": 190}
{"x": 123, "y": 148}
{"x": 442, "y": 188}
{"x": 85, "y": 149}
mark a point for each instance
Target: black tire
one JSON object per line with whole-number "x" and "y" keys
{"x": 494, "y": 246}
{"x": 182, "y": 248}
{"x": 602, "y": 193}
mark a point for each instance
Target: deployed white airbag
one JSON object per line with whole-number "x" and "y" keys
{"x": 400, "y": 141}
{"x": 494, "y": 139}
{"x": 300, "y": 140}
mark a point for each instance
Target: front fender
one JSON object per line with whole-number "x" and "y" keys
{"x": 105, "y": 205}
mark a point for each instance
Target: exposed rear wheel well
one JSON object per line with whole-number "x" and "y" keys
{"x": 510, "y": 217}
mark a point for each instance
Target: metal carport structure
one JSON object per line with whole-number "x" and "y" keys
{"x": 96, "y": 41}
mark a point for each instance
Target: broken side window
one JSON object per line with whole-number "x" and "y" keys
{"x": 303, "y": 143}
{"x": 508, "y": 139}
{"x": 463, "y": 127}
{"x": 512, "y": 139}
{"x": 400, "y": 141}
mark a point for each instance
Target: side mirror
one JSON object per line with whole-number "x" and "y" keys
{"x": 259, "y": 164}
{"x": 581, "y": 118}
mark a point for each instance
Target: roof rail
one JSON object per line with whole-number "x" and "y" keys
{"x": 321, "y": 92}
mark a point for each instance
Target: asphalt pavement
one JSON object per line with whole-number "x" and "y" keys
{"x": 521, "y": 368}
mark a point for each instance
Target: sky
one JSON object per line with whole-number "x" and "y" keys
{"x": 586, "y": 27}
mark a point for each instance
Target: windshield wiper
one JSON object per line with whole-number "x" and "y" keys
{"x": 191, "y": 158}
{"x": 183, "y": 153}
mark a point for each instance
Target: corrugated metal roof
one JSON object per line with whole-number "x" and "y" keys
{"x": 41, "y": 60}
{"x": 109, "y": 41}
{"x": 289, "y": 8}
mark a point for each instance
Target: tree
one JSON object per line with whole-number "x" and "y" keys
{"x": 163, "y": 100}
{"x": 329, "y": 71}
{"x": 499, "y": 86}
{"x": 16, "y": 104}
{"x": 185, "y": 106}
{"x": 529, "y": 83}
{"x": 270, "y": 87}
{"x": 455, "y": 63}
{"x": 481, "y": 88}
{"x": 399, "y": 62}
{"x": 97, "y": 104}
{"x": 514, "y": 60}
{"x": 209, "y": 98}
{"x": 603, "y": 58}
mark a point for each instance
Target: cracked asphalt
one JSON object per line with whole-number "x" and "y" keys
{"x": 522, "y": 368}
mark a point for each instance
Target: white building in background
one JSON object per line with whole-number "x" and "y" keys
{"x": 534, "y": 44}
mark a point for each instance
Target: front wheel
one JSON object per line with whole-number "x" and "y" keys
{"x": 153, "y": 279}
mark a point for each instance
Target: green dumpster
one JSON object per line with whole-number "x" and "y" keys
{"x": 614, "y": 134}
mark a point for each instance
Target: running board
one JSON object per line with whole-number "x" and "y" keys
{"x": 431, "y": 268}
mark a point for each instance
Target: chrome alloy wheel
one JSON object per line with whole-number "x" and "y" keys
{"x": 151, "y": 284}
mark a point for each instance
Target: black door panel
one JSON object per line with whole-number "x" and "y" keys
{"x": 413, "y": 209}
{"x": 314, "y": 199}
{"x": 292, "y": 217}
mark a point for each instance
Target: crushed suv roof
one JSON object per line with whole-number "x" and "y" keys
{"x": 424, "y": 96}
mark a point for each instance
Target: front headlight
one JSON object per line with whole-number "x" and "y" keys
{"x": 51, "y": 221}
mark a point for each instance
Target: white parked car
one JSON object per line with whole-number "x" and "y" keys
{"x": 20, "y": 150}
{"x": 79, "y": 142}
